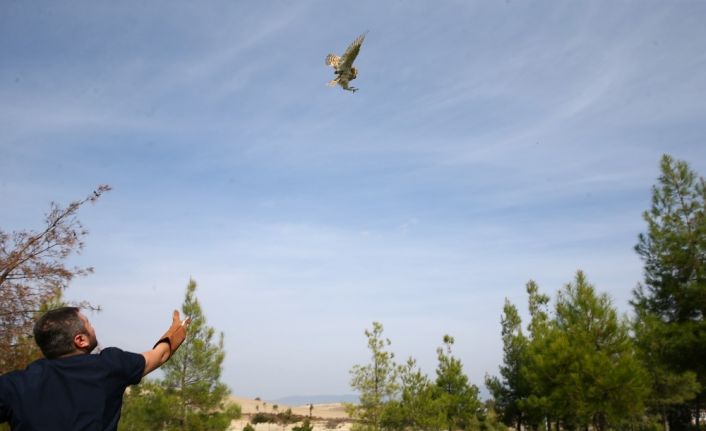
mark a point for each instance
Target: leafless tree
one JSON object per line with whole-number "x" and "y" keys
{"x": 33, "y": 272}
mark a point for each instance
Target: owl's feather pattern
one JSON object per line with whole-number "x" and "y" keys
{"x": 333, "y": 60}
{"x": 343, "y": 65}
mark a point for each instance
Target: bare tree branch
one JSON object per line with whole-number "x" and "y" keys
{"x": 33, "y": 271}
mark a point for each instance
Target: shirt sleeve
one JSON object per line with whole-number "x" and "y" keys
{"x": 129, "y": 365}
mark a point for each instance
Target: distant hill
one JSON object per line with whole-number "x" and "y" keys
{"x": 300, "y": 400}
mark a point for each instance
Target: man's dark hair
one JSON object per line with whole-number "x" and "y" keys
{"x": 54, "y": 332}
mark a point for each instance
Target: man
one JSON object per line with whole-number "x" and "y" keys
{"x": 70, "y": 389}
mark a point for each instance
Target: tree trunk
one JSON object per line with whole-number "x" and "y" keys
{"x": 665, "y": 419}
{"x": 183, "y": 398}
{"x": 600, "y": 422}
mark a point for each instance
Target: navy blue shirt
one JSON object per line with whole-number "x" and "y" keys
{"x": 82, "y": 392}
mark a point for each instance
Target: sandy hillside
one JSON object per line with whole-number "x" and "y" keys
{"x": 325, "y": 416}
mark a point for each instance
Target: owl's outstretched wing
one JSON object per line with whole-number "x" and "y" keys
{"x": 346, "y": 60}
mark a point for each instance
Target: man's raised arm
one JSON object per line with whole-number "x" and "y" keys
{"x": 167, "y": 344}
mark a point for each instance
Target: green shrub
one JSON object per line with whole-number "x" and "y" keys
{"x": 305, "y": 426}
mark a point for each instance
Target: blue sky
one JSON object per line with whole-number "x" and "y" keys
{"x": 490, "y": 143}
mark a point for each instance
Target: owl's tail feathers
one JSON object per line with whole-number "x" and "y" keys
{"x": 333, "y": 60}
{"x": 332, "y": 83}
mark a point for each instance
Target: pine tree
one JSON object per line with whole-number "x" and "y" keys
{"x": 581, "y": 367}
{"x": 536, "y": 372}
{"x": 512, "y": 389}
{"x": 418, "y": 406}
{"x": 195, "y": 370}
{"x": 148, "y": 407}
{"x": 376, "y": 382}
{"x": 191, "y": 395}
{"x": 671, "y": 304}
{"x": 671, "y": 390}
{"x": 459, "y": 398}
{"x": 605, "y": 385}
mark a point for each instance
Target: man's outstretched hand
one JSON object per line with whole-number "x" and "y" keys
{"x": 167, "y": 344}
{"x": 176, "y": 333}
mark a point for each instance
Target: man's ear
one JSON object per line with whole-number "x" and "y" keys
{"x": 81, "y": 341}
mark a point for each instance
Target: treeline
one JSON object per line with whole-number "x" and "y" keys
{"x": 582, "y": 365}
{"x": 401, "y": 397}
{"x": 572, "y": 368}
{"x": 576, "y": 365}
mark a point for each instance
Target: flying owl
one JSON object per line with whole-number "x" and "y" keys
{"x": 343, "y": 65}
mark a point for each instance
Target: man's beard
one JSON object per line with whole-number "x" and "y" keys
{"x": 92, "y": 345}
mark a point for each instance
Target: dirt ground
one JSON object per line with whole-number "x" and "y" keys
{"x": 325, "y": 417}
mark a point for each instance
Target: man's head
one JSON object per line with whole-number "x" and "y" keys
{"x": 64, "y": 331}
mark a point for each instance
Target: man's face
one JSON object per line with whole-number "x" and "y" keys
{"x": 90, "y": 332}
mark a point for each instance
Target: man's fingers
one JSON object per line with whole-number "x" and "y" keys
{"x": 175, "y": 317}
{"x": 186, "y": 321}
